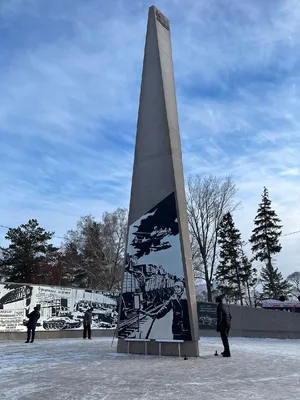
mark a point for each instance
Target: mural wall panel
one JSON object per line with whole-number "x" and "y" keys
{"x": 154, "y": 303}
{"x": 61, "y": 307}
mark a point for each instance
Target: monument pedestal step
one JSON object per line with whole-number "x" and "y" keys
{"x": 159, "y": 347}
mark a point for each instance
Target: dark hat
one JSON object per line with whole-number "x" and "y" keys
{"x": 219, "y": 299}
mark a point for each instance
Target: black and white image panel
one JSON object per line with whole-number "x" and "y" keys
{"x": 60, "y": 307}
{"x": 154, "y": 303}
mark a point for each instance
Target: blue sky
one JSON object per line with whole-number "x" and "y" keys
{"x": 70, "y": 80}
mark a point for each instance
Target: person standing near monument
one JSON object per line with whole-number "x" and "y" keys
{"x": 87, "y": 323}
{"x": 223, "y": 325}
{"x": 33, "y": 318}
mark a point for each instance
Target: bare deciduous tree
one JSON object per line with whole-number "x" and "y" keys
{"x": 208, "y": 199}
{"x": 94, "y": 252}
{"x": 114, "y": 237}
{"x": 294, "y": 279}
{"x": 83, "y": 257}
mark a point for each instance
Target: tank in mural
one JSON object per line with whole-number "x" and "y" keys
{"x": 154, "y": 303}
{"x": 60, "y": 308}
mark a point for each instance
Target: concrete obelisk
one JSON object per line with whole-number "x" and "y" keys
{"x": 158, "y": 313}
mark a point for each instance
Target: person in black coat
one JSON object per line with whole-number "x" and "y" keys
{"x": 33, "y": 318}
{"x": 223, "y": 325}
{"x": 87, "y": 323}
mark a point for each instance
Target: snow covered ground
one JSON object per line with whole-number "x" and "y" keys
{"x": 77, "y": 369}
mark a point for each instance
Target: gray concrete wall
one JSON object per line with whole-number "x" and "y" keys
{"x": 261, "y": 323}
{"x": 246, "y": 322}
{"x": 66, "y": 334}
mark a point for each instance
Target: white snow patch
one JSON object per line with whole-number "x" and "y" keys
{"x": 76, "y": 369}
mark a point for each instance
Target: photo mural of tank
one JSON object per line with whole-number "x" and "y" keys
{"x": 61, "y": 317}
{"x": 61, "y": 322}
{"x": 103, "y": 316}
{"x": 60, "y": 308}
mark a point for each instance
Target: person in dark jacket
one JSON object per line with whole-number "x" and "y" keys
{"x": 33, "y": 318}
{"x": 223, "y": 325}
{"x": 87, "y": 323}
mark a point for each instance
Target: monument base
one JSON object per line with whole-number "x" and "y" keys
{"x": 161, "y": 347}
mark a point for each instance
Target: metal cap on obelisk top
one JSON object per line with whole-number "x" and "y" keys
{"x": 158, "y": 312}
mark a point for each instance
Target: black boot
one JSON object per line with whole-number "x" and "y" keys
{"x": 226, "y": 354}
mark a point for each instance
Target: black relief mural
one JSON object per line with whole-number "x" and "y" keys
{"x": 154, "y": 304}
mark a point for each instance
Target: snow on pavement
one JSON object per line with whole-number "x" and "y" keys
{"x": 76, "y": 369}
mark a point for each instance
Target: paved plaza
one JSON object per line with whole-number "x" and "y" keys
{"x": 76, "y": 369}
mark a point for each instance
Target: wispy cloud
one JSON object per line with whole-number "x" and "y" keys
{"x": 291, "y": 172}
{"x": 69, "y": 98}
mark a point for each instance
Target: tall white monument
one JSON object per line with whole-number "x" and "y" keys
{"x": 158, "y": 313}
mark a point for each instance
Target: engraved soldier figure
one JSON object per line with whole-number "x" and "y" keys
{"x": 178, "y": 304}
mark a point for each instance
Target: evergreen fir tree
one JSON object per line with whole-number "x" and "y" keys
{"x": 250, "y": 275}
{"x": 274, "y": 285}
{"x": 27, "y": 253}
{"x": 231, "y": 274}
{"x": 265, "y": 244}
